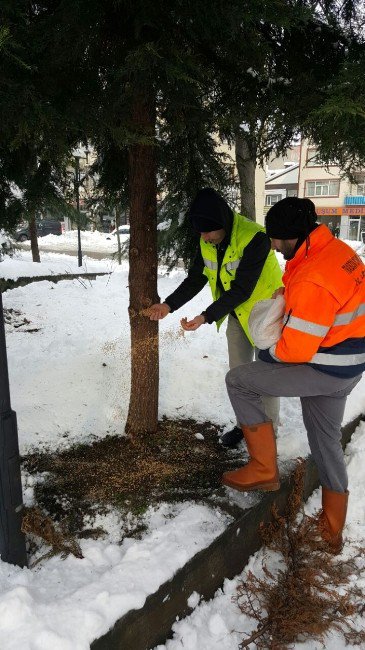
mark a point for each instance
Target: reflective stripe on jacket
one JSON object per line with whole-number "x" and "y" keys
{"x": 324, "y": 323}
{"x": 243, "y": 231}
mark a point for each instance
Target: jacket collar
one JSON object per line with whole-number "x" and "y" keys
{"x": 318, "y": 239}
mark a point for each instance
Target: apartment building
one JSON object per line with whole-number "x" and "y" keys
{"x": 281, "y": 179}
{"x": 339, "y": 203}
{"x": 280, "y": 183}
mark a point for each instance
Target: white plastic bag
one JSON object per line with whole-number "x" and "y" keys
{"x": 266, "y": 321}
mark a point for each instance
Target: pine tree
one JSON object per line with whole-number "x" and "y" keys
{"x": 302, "y": 56}
{"x": 337, "y": 125}
{"x": 155, "y": 82}
{"x": 34, "y": 143}
{"x": 155, "y": 68}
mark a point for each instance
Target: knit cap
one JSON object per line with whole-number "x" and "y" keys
{"x": 291, "y": 218}
{"x": 201, "y": 223}
{"x": 209, "y": 211}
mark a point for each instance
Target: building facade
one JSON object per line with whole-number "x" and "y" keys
{"x": 281, "y": 183}
{"x": 339, "y": 203}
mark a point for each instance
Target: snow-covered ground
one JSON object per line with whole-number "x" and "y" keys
{"x": 219, "y": 623}
{"x": 98, "y": 242}
{"x": 101, "y": 242}
{"x": 51, "y": 264}
{"x": 70, "y": 383}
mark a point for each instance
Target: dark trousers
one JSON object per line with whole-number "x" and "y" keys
{"x": 323, "y": 400}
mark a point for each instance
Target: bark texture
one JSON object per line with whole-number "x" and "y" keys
{"x": 246, "y": 165}
{"x": 143, "y": 406}
{"x": 33, "y": 238}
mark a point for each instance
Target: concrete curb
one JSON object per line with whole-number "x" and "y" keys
{"x": 22, "y": 282}
{"x": 226, "y": 557}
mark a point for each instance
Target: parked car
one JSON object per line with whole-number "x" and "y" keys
{"x": 44, "y": 227}
{"x": 6, "y": 245}
{"x": 123, "y": 230}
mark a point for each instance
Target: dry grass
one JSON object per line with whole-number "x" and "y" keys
{"x": 130, "y": 473}
{"x": 58, "y": 538}
{"x": 302, "y": 600}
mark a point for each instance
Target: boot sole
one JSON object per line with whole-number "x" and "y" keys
{"x": 265, "y": 487}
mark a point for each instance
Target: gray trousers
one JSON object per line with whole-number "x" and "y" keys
{"x": 323, "y": 400}
{"x": 240, "y": 351}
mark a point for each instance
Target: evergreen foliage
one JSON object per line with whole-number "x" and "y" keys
{"x": 35, "y": 133}
{"x": 71, "y": 69}
{"x": 152, "y": 84}
{"x": 338, "y": 124}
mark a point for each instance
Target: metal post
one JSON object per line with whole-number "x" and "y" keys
{"x": 77, "y": 188}
{"x": 12, "y": 540}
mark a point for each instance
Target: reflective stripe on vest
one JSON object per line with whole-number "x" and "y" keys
{"x": 232, "y": 266}
{"x": 272, "y": 353}
{"x": 338, "y": 359}
{"x": 324, "y": 359}
{"x": 210, "y": 265}
{"x": 243, "y": 231}
{"x": 306, "y": 326}
{"x": 345, "y": 319}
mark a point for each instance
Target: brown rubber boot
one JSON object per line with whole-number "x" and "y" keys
{"x": 261, "y": 472}
{"x": 332, "y": 518}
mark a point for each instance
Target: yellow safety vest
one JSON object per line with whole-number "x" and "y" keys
{"x": 243, "y": 231}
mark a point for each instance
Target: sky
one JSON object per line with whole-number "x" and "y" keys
{"x": 70, "y": 383}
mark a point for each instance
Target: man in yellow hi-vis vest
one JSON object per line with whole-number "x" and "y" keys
{"x": 236, "y": 259}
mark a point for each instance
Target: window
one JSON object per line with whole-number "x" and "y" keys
{"x": 292, "y": 193}
{"x": 322, "y": 188}
{"x": 270, "y": 199}
{"x": 360, "y": 189}
{"x": 312, "y": 158}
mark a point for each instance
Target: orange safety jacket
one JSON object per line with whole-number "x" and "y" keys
{"x": 324, "y": 322}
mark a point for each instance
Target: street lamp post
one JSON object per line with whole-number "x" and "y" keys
{"x": 12, "y": 540}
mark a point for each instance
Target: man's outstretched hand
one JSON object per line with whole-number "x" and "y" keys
{"x": 191, "y": 325}
{"x": 158, "y": 311}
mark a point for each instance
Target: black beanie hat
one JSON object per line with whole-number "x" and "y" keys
{"x": 210, "y": 211}
{"x": 291, "y": 218}
{"x": 201, "y": 223}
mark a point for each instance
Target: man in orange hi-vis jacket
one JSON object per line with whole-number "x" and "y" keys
{"x": 319, "y": 357}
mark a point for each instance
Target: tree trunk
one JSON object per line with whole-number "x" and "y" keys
{"x": 143, "y": 405}
{"x": 33, "y": 238}
{"x": 246, "y": 166}
{"x": 117, "y": 224}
